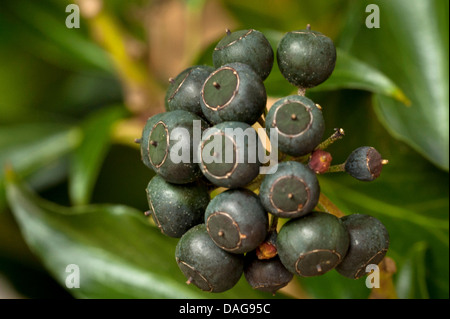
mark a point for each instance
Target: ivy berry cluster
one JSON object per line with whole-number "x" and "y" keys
{"x": 225, "y": 212}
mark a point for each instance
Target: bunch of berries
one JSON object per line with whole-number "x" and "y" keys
{"x": 209, "y": 190}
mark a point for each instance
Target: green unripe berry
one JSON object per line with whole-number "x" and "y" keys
{"x": 234, "y": 92}
{"x": 236, "y": 221}
{"x": 312, "y": 245}
{"x": 298, "y": 122}
{"x": 184, "y": 91}
{"x": 250, "y": 47}
{"x": 306, "y": 58}
{"x": 204, "y": 264}
{"x": 292, "y": 191}
{"x": 176, "y": 208}
{"x": 369, "y": 242}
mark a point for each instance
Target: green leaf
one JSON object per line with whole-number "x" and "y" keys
{"x": 411, "y": 279}
{"x": 118, "y": 252}
{"x": 323, "y": 16}
{"x": 351, "y": 73}
{"x": 29, "y": 147}
{"x": 333, "y": 285}
{"x": 88, "y": 157}
{"x": 39, "y": 27}
{"x": 411, "y": 48}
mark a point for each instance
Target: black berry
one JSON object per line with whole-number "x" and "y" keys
{"x": 268, "y": 275}
{"x": 245, "y": 46}
{"x": 369, "y": 242}
{"x": 234, "y": 92}
{"x": 176, "y": 208}
{"x": 292, "y": 191}
{"x": 364, "y": 163}
{"x": 306, "y": 58}
{"x": 184, "y": 91}
{"x": 312, "y": 245}
{"x": 172, "y": 158}
{"x": 145, "y": 139}
{"x": 228, "y": 157}
{"x": 204, "y": 264}
{"x": 298, "y": 122}
{"x": 236, "y": 220}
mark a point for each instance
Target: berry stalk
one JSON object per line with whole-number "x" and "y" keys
{"x": 337, "y": 135}
{"x": 326, "y": 205}
{"x": 336, "y": 168}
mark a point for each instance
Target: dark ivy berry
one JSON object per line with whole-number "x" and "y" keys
{"x": 312, "y": 245}
{"x": 369, "y": 242}
{"x": 268, "y": 275}
{"x": 204, "y": 264}
{"x": 228, "y": 154}
{"x": 245, "y": 46}
{"x": 236, "y": 221}
{"x": 364, "y": 163}
{"x": 234, "y": 92}
{"x": 176, "y": 208}
{"x": 168, "y": 152}
{"x": 292, "y": 191}
{"x": 306, "y": 58}
{"x": 184, "y": 91}
{"x": 144, "y": 140}
{"x": 298, "y": 122}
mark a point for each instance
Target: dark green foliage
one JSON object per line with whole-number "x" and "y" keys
{"x": 204, "y": 264}
{"x": 176, "y": 208}
{"x": 236, "y": 221}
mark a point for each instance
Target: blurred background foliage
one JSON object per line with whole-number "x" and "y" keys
{"x": 73, "y": 101}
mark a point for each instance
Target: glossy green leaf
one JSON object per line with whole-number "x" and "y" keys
{"x": 119, "y": 254}
{"x": 411, "y": 279}
{"x": 411, "y": 47}
{"x": 332, "y": 285}
{"x": 41, "y": 28}
{"x": 30, "y": 147}
{"x": 351, "y": 73}
{"x": 289, "y": 15}
{"x": 88, "y": 157}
